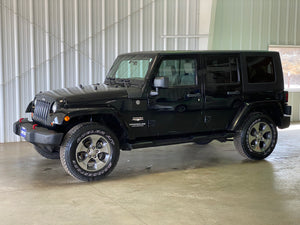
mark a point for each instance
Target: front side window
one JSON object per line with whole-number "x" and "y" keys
{"x": 180, "y": 72}
{"x": 260, "y": 69}
{"x": 222, "y": 70}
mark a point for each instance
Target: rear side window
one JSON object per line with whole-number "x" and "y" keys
{"x": 260, "y": 69}
{"x": 222, "y": 70}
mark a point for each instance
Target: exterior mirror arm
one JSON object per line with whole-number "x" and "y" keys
{"x": 154, "y": 93}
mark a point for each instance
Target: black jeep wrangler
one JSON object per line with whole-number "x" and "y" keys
{"x": 161, "y": 98}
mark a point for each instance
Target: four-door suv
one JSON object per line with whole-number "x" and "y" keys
{"x": 161, "y": 98}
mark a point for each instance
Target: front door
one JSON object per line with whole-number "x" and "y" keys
{"x": 177, "y": 109}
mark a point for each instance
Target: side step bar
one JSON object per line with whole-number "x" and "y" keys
{"x": 222, "y": 137}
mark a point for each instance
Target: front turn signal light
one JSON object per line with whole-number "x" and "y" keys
{"x": 67, "y": 118}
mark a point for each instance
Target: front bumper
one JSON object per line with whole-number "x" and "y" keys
{"x": 37, "y": 135}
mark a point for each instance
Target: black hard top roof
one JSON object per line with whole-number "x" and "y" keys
{"x": 154, "y": 53}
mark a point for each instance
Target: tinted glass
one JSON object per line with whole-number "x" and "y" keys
{"x": 181, "y": 72}
{"x": 221, "y": 70}
{"x": 260, "y": 69}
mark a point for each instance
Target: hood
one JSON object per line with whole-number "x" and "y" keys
{"x": 86, "y": 95}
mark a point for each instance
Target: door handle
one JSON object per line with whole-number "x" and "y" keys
{"x": 193, "y": 95}
{"x": 233, "y": 92}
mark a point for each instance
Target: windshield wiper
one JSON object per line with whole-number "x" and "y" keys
{"x": 124, "y": 82}
{"x": 111, "y": 80}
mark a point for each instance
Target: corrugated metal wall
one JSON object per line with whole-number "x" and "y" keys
{"x": 254, "y": 25}
{"x": 49, "y": 44}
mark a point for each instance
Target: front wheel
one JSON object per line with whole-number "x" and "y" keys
{"x": 257, "y": 138}
{"x": 89, "y": 152}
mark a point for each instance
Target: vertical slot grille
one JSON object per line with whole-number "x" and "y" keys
{"x": 41, "y": 111}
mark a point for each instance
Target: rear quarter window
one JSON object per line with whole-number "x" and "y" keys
{"x": 260, "y": 69}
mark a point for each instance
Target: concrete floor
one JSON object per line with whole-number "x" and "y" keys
{"x": 180, "y": 184}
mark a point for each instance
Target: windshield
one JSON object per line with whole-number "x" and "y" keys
{"x": 130, "y": 69}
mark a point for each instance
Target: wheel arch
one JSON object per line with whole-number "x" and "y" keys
{"x": 105, "y": 117}
{"x": 272, "y": 109}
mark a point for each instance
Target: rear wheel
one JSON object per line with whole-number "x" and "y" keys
{"x": 89, "y": 152}
{"x": 257, "y": 138}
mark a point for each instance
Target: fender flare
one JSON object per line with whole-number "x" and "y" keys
{"x": 95, "y": 111}
{"x": 248, "y": 107}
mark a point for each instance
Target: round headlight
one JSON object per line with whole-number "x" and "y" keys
{"x": 54, "y": 107}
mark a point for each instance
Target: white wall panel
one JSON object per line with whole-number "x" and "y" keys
{"x": 49, "y": 44}
{"x": 294, "y": 101}
{"x": 2, "y": 113}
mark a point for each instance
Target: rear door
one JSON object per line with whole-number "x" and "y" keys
{"x": 223, "y": 92}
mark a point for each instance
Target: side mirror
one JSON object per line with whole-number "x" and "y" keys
{"x": 160, "y": 82}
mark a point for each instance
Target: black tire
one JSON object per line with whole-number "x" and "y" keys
{"x": 203, "y": 142}
{"x": 89, "y": 152}
{"x": 47, "y": 151}
{"x": 257, "y": 137}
